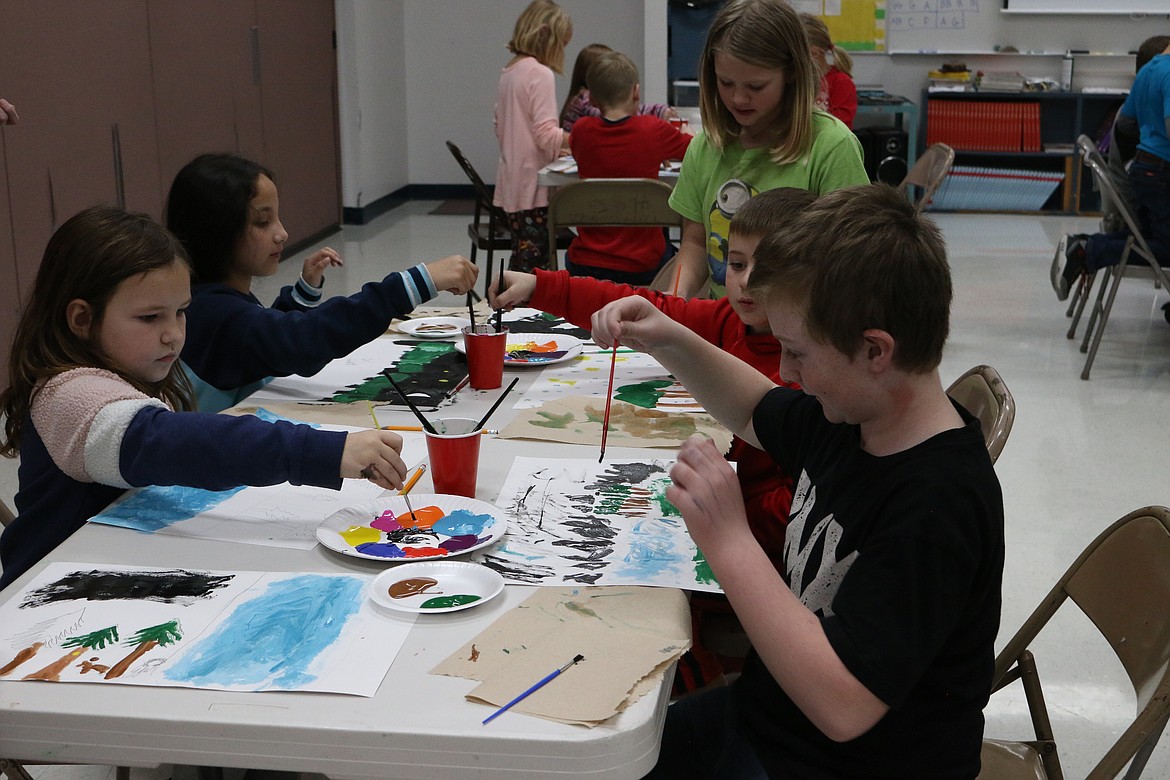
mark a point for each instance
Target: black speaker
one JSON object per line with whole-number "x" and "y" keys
{"x": 885, "y": 153}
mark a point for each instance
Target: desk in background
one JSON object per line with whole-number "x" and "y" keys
{"x": 564, "y": 171}
{"x": 418, "y": 725}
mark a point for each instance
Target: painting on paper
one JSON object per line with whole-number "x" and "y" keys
{"x": 574, "y": 521}
{"x": 238, "y": 631}
{"x": 639, "y": 380}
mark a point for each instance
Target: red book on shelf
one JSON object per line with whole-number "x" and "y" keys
{"x": 1032, "y": 128}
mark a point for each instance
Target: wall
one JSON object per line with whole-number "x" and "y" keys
{"x": 411, "y": 77}
{"x": 414, "y": 74}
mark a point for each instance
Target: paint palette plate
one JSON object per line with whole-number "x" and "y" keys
{"x": 435, "y": 586}
{"x": 537, "y": 349}
{"x": 382, "y": 530}
{"x": 434, "y": 327}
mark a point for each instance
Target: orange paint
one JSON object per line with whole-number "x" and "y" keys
{"x": 424, "y": 517}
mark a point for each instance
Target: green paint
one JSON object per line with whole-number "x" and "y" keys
{"x": 611, "y": 499}
{"x": 444, "y": 602}
{"x": 703, "y": 571}
{"x": 658, "y": 495}
{"x": 573, "y": 606}
{"x": 163, "y": 634}
{"x": 415, "y": 361}
{"x": 95, "y": 640}
{"x": 558, "y": 421}
{"x": 644, "y": 394}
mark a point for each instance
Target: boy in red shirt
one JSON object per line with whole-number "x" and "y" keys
{"x": 736, "y": 324}
{"x": 621, "y": 143}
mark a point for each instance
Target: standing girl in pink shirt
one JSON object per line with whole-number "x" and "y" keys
{"x": 528, "y": 128}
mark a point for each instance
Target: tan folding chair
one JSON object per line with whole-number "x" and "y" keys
{"x": 1111, "y": 275}
{"x": 921, "y": 181}
{"x": 982, "y": 392}
{"x": 6, "y": 515}
{"x": 1121, "y": 582}
{"x": 611, "y": 203}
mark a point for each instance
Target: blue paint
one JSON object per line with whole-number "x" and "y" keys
{"x": 381, "y": 549}
{"x": 653, "y": 553}
{"x": 461, "y": 522}
{"x": 274, "y": 638}
{"x": 268, "y": 416}
{"x": 154, "y": 508}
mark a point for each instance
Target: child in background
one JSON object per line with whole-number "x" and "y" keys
{"x": 620, "y": 144}
{"x": 578, "y": 102}
{"x": 226, "y": 212}
{"x": 528, "y": 128}
{"x": 838, "y": 93}
{"x": 736, "y": 324}
{"x": 880, "y": 631}
{"x": 95, "y": 394}
{"x": 757, "y": 85}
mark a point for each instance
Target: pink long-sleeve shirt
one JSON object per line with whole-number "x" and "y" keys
{"x": 528, "y": 128}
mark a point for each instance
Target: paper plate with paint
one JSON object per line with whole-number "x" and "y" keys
{"x": 434, "y": 327}
{"x": 383, "y": 529}
{"x": 435, "y": 586}
{"x": 537, "y": 349}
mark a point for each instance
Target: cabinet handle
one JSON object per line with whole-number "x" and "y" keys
{"x": 256, "y": 55}
{"x": 119, "y": 171}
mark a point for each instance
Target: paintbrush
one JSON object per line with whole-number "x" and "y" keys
{"x": 608, "y": 401}
{"x": 373, "y": 416}
{"x": 677, "y": 276}
{"x": 499, "y": 292}
{"x": 545, "y": 681}
{"x": 471, "y": 311}
{"x": 496, "y": 405}
{"x": 425, "y": 422}
{"x": 410, "y": 483}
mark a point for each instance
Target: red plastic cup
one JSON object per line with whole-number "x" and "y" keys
{"x": 454, "y": 454}
{"x": 678, "y": 122}
{"x": 485, "y": 355}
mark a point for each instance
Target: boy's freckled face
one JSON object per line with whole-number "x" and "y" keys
{"x": 741, "y": 252}
{"x": 820, "y": 369}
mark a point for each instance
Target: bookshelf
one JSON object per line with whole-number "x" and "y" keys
{"x": 1003, "y": 161}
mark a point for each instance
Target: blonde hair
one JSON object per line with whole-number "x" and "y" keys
{"x": 818, "y": 36}
{"x": 611, "y": 79}
{"x": 766, "y": 34}
{"x": 542, "y": 31}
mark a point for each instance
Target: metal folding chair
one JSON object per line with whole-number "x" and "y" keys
{"x": 1112, "y": 275}
{"x": 921, "y": 181}
{"x": 1121, "y": 582}
{"x": 982, "y": 392}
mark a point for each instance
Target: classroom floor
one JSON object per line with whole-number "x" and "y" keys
{"x": 1081, "y": 455}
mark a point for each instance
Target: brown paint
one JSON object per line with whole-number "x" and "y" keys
{"x": 411, "y": 587}
{"x": 21, "y": 657}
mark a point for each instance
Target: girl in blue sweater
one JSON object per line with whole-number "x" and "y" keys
{"x": 226, "y": 211}
{"x": 95, "y": 401}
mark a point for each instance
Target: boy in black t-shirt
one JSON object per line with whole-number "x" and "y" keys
{"x": 878, "y": 637}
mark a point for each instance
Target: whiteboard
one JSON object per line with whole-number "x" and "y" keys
{"x": 981, "y": 26}
{"x": 930, "y": 26}
{"x": 1087, "y": 6}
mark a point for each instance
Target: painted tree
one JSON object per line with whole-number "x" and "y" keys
{"x": 95, "y": 640}
{"x": 144, "y": 641}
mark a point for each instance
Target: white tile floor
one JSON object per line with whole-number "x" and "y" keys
{"x": 1081, "y": 454}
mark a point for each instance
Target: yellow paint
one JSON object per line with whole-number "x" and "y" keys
{"x": 360, "y": 534}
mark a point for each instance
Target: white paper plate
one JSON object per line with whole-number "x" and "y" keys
{"x": 450, "y": 525}
{"x": 434, "y": 327}
{"x": 435, "y": 586}
{"x": 550, "y": 348}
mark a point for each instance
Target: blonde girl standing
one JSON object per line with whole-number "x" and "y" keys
{"x": 528, "y": 128}
{"x": 761, "y": 130}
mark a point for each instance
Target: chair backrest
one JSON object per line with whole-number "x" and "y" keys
{"x": 6, "y": 515}
{"x": 927, "y": 174}
{"x": 1121, "y": 582}
{"x": 982, "y": 392}
{"x": 611, "y": 203}
{"x": 1096, "y": 164}
{"x": 483, "y": 196}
